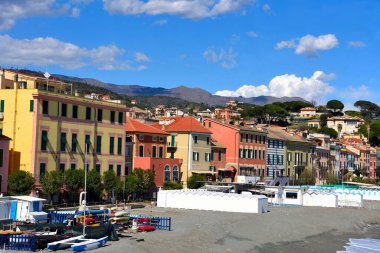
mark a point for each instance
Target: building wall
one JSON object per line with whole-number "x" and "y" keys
{"x": 182, "y": 152}
{"x": 25, "y": 129}
{"x": 275, "y": 157}
{"x": 298, "y": 157}
{"x": 348, "y": 126}
{"x": 4, "y": 149}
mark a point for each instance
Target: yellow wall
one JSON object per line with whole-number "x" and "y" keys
{"x": 304, "y": 150}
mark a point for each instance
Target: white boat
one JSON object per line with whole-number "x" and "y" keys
{"x": 122, "y": 213}
{"x": 89, "y": 244}
{"x": 64, "y": 244}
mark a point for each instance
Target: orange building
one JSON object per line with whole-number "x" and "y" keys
{"x": 245, "y": 149}
{"x": 149, "y": 152}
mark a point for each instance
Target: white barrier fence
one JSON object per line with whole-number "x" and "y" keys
{"x": 213, "y": 201}
{"x": 316, "y": 199}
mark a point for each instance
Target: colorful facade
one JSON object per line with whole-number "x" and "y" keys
{"x": 276, "y": 155}
{"x": 218, "y": 162}
{"x": 150, "y": 152}
{"x": 191, "y": 142}
{"x": 4, "y": 163}
{"x": 54, "y": 131}
{"x": 245, "y": 148}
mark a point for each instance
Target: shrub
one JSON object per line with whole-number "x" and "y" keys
{"x": 171, "y": 186}
{"x": 194, "y": 181}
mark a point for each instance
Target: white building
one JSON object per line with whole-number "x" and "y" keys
{"x": 344, "y": 124}
{"x": 308, "y": 112}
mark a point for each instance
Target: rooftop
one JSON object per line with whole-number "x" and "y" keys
{"x": 183, "y": 124}
{"x": 139, "y": 127}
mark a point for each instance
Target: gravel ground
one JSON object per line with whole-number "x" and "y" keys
{"x": 283, "y": 229}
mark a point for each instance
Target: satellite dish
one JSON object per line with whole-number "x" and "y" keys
{"x": 47, "y": 75}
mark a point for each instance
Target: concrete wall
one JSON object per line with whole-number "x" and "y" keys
{"x": 350, "y": 200}
{"x": 212, "y": 201}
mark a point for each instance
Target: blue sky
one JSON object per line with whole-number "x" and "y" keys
{"x": 315, "y": 49}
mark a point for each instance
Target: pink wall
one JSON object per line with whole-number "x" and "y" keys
{"x": 4, "y": 145}
{"x": 158, "y": 165}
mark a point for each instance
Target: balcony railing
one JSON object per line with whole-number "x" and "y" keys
{"x": 171, "y": 144}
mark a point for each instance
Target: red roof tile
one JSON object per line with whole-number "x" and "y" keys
{"x": 136, "y": 126}
{"x": 184, "y": 124}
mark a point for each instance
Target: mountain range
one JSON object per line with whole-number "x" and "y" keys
{"x": 196, "y": 95}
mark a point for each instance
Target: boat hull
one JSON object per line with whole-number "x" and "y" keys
{"x": 89, "y": 244}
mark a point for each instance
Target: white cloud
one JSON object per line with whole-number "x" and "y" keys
{"x": 226, "y": 58}
{"x": 75, "y": 12}
{"x": 311, "y": 88}
{"x": 161, "y": 22}
{"x": 193, "y": 9}
{"x": 11, "y": 10}
{"x": 310, "y": 45}
{"x": 356, "y": 44}
{"x": 252, "y": 34}
{"x": 141, "y": 57}
{"x": 266, "y": 8}
{"x": 50, "y": 51}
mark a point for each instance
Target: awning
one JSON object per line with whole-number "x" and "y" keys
{"x": 203, "y": 172}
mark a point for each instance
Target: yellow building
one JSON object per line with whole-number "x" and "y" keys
{"x": 50, "y": 129}
{"x": 189, "y": 141}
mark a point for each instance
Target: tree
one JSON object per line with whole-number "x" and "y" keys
{"x": 145, "y": 180}
{"x": 335, "y": 105}
{"x": 74, "y": 180}
{"x": 94, "y": 185}
{"x": 328, "y": 131}
{"x": 323, "y": 119}
{"x": 374, "y": 132}
{"x": 293, "y": 106}
{"x": 130, "y": 185}
{"x": 353, "y": 113}
{"x": 112, "y": 182}
{"x": 368, "y": 110}
{"x": 331, "y": 179}
{"x": 52, "y": 183}
{"x": 274, "y": 113}
{"x": 307, "y": 178}
{"x": 195, "y": 181}
{"x": 21, "y": 183}
{"x": 171, "y": 186}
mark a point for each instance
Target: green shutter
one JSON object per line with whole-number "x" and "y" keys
{"x": 31, "y": 105}
{"x": 2, "y": 106}
{"x": 119, "y": 145}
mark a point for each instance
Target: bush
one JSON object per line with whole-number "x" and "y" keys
{"x": 194, "y": 181}
{"x": 307, "y": 178}
{"x": 171, "y": 186}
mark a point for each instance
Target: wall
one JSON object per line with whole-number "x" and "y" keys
{"x": 212, "y": 201}
{"x": 318, "y": 199}
{"x": 182, "y": 152}
{"x": 4, "y": 145}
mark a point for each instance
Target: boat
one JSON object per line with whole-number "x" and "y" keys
{"x": 93, "y": 212}
{"x": 42, "y": 241}
{"x": 64, "y": 244}
{"x": 146, "y": 228}
{"x": 122, "y": 213}
{"x": 89, "y": 244}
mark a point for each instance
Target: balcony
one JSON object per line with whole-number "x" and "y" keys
{"x": 171, "y": 145}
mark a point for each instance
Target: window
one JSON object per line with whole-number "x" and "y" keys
{"x": 1, "y": 157}
{"x": 207, "y": 157}
{"x": 97, "y": 168}
{"x": 112, "y": 144}
{"x": 110, "y": 166}
{"x": 112, "y": 118}
{"x": 127, "y": 151}
{"x": 241, "y": 137}
{"x": 269, "y": 159}
{"x": 171, "y": 154}
{"x": 87, "y": 143}
{"x": 118, "y": 170}
{"x": 291, "y": 195}
{"x": 31, "y": 105}
{"x": 256, "y": 138}
{"x": 45, "y": 107}
{"x": 195, "y": 156}
{"x": 126, "y": 171}
{"x": 63, "y": 142}
{"x": 167, "y": 173}
{"x": 251, "y": 138}
{"x": 195, "y": 139}
{"x": 75, "y": 111}
{"x": 2, "y": 106}
{"x": 240, "y": 153}
{"x": 141, "y": 137}
{"x": 44, "y": 140}
{"x": 99, "y": 144}
{"x": 73, "y": 166}
{"x": 219, "y": 155}
{"x": 64, "y": 110}
{"x": 161, "y": 139}
{"x": 246, "y": 138}
{"x": 119, "y": 145}
{"x": 42, "y": 169}
{"x": 175, "y": 173}
{"x": 120, "y": 119}
{"x": 141, "y": 151}
{"x": 154, "y": 151}
{"x": 154, "y": 138}
{"x": 264, "y": 139}
{"x": 88, "y": 113}
{"x": 62, "y": 167}
{"x": 208, "y": 140}
{"x": 270, "y": 143}
{"x": 160, "y": 152}
{"x": 100, "y": 115}
{"x": 209, "y": 124}
{"x": 74, "y": 142}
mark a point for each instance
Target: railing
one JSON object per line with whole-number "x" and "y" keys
{"x": 164, "y": 223}
{"x": 18, "y": 242}
{"x": 171, "y": 144}
{"x": 55, "y": 217}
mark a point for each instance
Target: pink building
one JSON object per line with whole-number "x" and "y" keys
{"x": 245, "y": 148}
{"x": 4, "y": 163}
{"x": 373, "y": 162}
{"x": 218, "y": 161}
{"x": 149, "y": 152}
{"x": 226, "y": 114}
